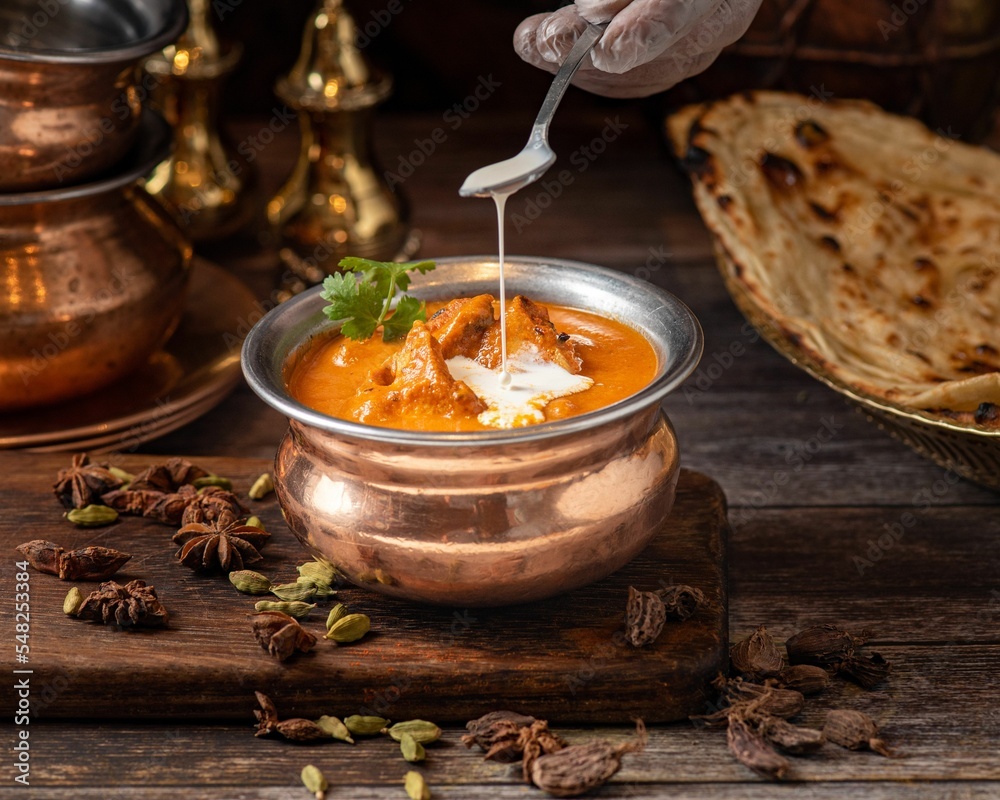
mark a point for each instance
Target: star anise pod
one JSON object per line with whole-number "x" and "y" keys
{"x": 210, "y": 503}
{"x": 166, "y": 507}
{"x": 83, "y": 483}
{"x": 225, "y": 544}
{"x": 131, "y": 605}
{"x": 267, "y": 716}
{"x": 281, "y": 635}
{"x": 183, "y": 471}
{"x": 167, "y": 477}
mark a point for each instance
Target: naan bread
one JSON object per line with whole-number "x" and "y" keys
{"x": 872, "y": 242}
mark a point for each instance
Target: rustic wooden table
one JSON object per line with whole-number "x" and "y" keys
{"x": 814, "y": 489}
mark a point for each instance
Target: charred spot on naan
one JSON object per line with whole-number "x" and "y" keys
{"x": 781, "y": 172}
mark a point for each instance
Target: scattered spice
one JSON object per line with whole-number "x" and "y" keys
{"x": 294, "y": 591}
{"x": 768, "y": 700}
{"x": 791, "y": 738}
{"x": 165, "y": 507}
{"x": 267, "y": 715}
{"x": 314, "y": 781}
{"x": 319, "y": 571}
{"x": 300, "y": 730}
{"x": 249, "y": 582}
{"x": 92, "y": 516}
{"x": 579, "y": 768}
{"x": 224, "y": 544}
{"x": 416, "y": 787}
{"x": 82, "y": 483}
{"x": 757, "y": 656}
{"x": 207, "y": 481}
{"x": 365, "y": 726}
{"x": 91, "y": 563}
{"x": 805, "y": 678}
{"x": 681, "y": 601}
{"x": 72, "y": 602}
{"x": 349, "y": 628}
{"x": 210, "y": 504}
{"x": 337, "y": 613}
{"x": 281, "y": 635}
{"x": 854, "y": 730}
{"x": 254, "y": 522}
{"x": 829, "y": 646}
{"x": 645, "y": 616}
{"x": 295, "y": 609}
{"x": 534, "y": 742}
{"x": 132, "y": 605}
{"x": 335, "y": 729}
{"x": 262, "y": 487}
{"x": 497, "y": 734}
{"x": 752, "y": 750}
{"x": 420, "y": 729}
{"x": 411, "y": 749}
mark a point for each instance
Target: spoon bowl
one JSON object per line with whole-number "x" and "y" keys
{"x": 508, "y": 176}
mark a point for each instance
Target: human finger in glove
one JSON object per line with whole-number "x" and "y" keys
{"x": 648, "y": 46}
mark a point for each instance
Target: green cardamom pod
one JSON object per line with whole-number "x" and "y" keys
{"x": 249, "y": 582}
{"x": 335, "y": 728}
{"x": 92, "y": 516}
{"x": 212, "y": 480}
{"x": 295, "y": 609}
{"x": 262, "y": 487}
{"x": 416, "y": 787}
{"x": 411, "y": 749}
{"x": 338, "y": 612}
{"x": 420, "y": 729}
{"x": 314, "y": 781}
{"x": 73, "y": 601}
{"x": 365, "y": 726}
{"x": 320, "y": 571}
{"x": 254, "y": 522}
{"x": 293, "y": 592}
{"x": 122, "y": 475}
{"x": 349, "y": 628}
{"x": 323, "y": 590}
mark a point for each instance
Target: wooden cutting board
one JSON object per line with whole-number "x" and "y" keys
{"x": 562, "y": 659}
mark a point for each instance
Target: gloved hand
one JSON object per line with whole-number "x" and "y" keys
{"x": 649, "y": 45}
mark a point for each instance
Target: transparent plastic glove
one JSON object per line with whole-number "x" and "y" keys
{"x": 649, "y": 45}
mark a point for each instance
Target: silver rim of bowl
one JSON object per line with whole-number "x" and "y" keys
{"x": 667, "y": 323}
{"x": 152, "y": 145}
{"x": 175, "y": 20}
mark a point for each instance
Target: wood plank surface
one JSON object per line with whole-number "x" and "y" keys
{"x": 564, "y": 658}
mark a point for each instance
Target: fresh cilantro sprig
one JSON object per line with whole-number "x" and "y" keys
{"x": 362, "y": 297}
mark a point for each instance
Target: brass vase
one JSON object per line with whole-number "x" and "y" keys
{"x": 335, "y": 203}
{"x": 207, "y": 183}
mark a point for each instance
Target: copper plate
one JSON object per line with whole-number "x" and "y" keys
{"x": 191, "y": 374}
{"x": 968, "y": 450}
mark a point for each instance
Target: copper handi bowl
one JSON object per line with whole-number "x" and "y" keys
{"x": 71, "y": 102}
{"x": 93, "y": 281}
{"x": 483, "y": 518}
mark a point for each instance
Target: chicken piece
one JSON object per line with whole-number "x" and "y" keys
{"x": 461, "y": 325}
{"x": 529, "y": 323}
{"x": 420, "y": 386}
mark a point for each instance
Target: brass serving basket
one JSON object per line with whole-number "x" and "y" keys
{"x": 967, "y": 450}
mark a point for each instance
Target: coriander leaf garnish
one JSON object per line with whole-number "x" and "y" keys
{"x": 364, "y": 299}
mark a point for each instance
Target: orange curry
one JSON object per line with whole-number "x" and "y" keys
{"x": 407, "y": 383}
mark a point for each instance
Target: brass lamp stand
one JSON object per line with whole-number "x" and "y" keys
{"x": 335, "y": 203}
{"x": 206, "y": 183}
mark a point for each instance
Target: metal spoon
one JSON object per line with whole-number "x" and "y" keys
{"x": 506, "y": 177}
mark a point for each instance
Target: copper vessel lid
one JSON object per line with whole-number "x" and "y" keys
{"x": 332, "y": 74}
{"x": 89, "y": 31}
{"x": 152, "y": 145}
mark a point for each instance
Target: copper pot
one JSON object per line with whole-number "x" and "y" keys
{"x": 93, "y": 281}
{"x": 487, "y": 517}
{"x": 71, "y": 100}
